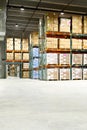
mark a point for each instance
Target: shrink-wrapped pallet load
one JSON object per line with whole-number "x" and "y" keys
{"x": 76, "y": 44}
{"x": 76, "y": 24}
{"x": 52, "y": 74}
{"x": 52, "y": 58}
{"x": 64, "y": 59}
{"x": 64, "y": 74}
{"x": 9, "y": 44}
{"x": 76, "y": 73}
{"x": 52, "y": 22}
{"x": 51, "y": 42}
{"x": 65, "y": 24}
{"x": 17, "y": 43}
{"x": 77, "y": 59}
{"x": 64, "y": 43}
{"x": 25, "y": 45}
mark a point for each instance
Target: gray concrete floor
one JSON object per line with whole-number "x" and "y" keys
{"x": 39, "y": 105}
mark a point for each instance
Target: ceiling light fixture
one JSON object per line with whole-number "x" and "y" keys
{"x": 16, "y": 25}
{"x": 62, "y": 13}
{"x": 22, "y": 8}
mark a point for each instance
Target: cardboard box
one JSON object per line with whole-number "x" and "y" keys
{"x": 76, "y": 44}
{"x": 84, "y": 44}
{"x": 34, "y": 39}
{"x": 85, "y": 74}
{"x": 64, "y": 74}
{"x": 9, "y": 43}
{"x": 76, "y": 73}
{"x": 52, "y": 58}
{"x": 85, "y": 59}
{"x": 9, "y": 56}
{"x": 25, "y": 65}
{"x": 85, "y": 24}
{"x": 25, "y": 74}
{"x": 64, "y": 43}
{"x": 18, "y": 56}
{"x": 17, "y": 44}
{"x": 25, "y": 45}
{"x": 52, "y": 74}
{"x": 25, "y": 56}
{"x": 51, "y": 42}
{"x": 77, "y": 59}
{"x": 76, "y": 24}
{"x": 64, "y": 59}
{"x": 65, "y": 24}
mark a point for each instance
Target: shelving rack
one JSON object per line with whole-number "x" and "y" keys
{"x": 17, "y": 59}
{"x": 34, "y": 56}
{"x": 63, "y": 47}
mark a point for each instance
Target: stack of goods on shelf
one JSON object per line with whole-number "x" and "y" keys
{"x": 76, "y": 73}
{"x": 34, "y": 56}
{"x": 9, "y": 47}
{"x": 65, "y": 24}
{"x": 85, "y": 24}
{"x": 25, "y": 58}
{"x": 76, "y": 44}
{"x": 64, "y": 44}
{"x": 64, "y": 74}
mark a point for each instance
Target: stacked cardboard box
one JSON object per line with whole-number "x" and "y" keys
{"x": 85, "y": 74}
{"x": 52, "y": 74}
{"x": 25, "y": 65}
{"x": 17, "y": 56}
{"x": 17, "y": 44}
{"x": 76, "y": 24}
{"x": 9, "y": 43}
{"x": 85, "y": 59}
{"x": 64, "y": 59}
{"x": 64, "y": 74}
{"x": 25, "y": 74}
{"x": 77, "y": 59}
{"x": 76, "y": 73}
{"x": 34, "y": 39}
{"x": 25, "y": 45}
{"x": 25, "y": 56}
{"x": 85, "y": 24}
{"x": 9, "y": 56}
{"x": 64, "y": 43}
{"x": 76, "y": 44}
{"x": 65, "y": 24}
{"x": 84, "y": 44}
{"x": 52, "y": 58}
{"x": 52, "y": 22}
{"x": 51, "y": 42}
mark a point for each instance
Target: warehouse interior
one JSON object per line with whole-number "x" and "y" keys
{"x": 43, "y": 64}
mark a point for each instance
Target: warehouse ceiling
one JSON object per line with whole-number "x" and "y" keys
{"x": 23, "y": 15}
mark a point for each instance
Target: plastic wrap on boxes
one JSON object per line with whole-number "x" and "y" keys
{"x": 52, "y": 58}
{"x": 76, "y": 44}
{"x": 25, "y": 45}
{"x": 9, "y": 56}
{"x": 65, "y": 24}
{"x": 84, "y": 44}
{"x": 76, "y": 24}
{"x": 51, "y": 43}
{"x": 64, "y": 59}
{"x": 76, "y": 73}
{"x": 25, "y": 65}
{"x": 9, "y": 43}
{"x": 85, "y": 24}
{"x": 64, "y": 43}
{"x": 52, "y": 22}
{"x": 64, "y": 74}
{"x": 85, "y": 74}
{"x": 34, "y": 39}
{"x": 25, "y": 74}
{"x": 17, "y": 44}
{"x": 35, "y": 74}
{"x": 77, "y": 59}
{"x": 52, "y": 74}
{"x": 35, "y": 63}
{"x": 17, "y": 56}
{"x": 35, "y": 52}
{"x": 85, "y": 59}
{"x": 25, "y": 56}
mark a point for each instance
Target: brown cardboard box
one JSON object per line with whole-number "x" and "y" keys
{"x": 25, "y": 74}
{"x": 51, "y": 43}
{"x": 25, "y": 45}
{"x": 76, "y": 73}
{"x": 17, "y": 56}
{"x": 64, "y": 43}
{"x": 77, "y": 59}
{"x": 85, "y": 24}
{"x": 25, "y": 56}
{"x": 65, "y": 25}
{"x": 52, "y": 58}
{"x": 25, "y": 65}
{"x": 84, "y": 44}
{"x": 9, "y": 56}
{"x": 52, "y": 22}
{"x": 76, "y": 44}
{"x": 17, "y": 44}
{"x": 76, "y": 24}
{"x": 52, "y": 74}
{"x": 9, "y": 43}
{"x": 34, "y": 39}
{"x": 64, "y": 74}
{"x": 85, "y": 74}
{"x": 85, "y": 59}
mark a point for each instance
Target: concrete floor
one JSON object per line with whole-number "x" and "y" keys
{"x": 39, "y": 105}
